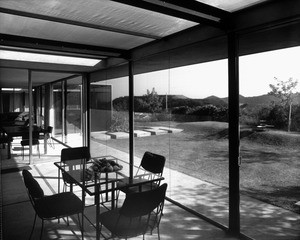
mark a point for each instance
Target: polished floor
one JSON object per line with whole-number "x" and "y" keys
{"x": 259, "y": 220}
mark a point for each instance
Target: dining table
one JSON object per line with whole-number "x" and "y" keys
{"x": 101, "y": 177}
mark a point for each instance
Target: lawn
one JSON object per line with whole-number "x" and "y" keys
{"x": 270, "y": 169}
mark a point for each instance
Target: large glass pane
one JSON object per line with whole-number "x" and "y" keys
{"x": 57, "y": 102}
{"x": 109, "y": 118}
{"x": 199, "y": 143}
{"x": 270, "y": 173}
{"x": 181, "y": 113}
{"x": 73, "y": 115}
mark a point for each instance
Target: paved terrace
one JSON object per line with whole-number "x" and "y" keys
{"x": 258, "y": 219}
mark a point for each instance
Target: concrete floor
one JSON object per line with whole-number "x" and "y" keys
{"x": 258, "y": 220}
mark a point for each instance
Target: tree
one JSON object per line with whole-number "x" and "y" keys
{"x": 283, "y": 90}
{"x": 152, "y": 101}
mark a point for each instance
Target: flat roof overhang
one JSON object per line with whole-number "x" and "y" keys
{"x": 267, "y": 26}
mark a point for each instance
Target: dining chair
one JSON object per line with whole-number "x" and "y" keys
{"x": 35, "y": 142}
{"x": 151, "y": 162}
{"x": 70, "y": 157}
{"x": 5, "y": 140}
{"x": 51, "y": 207}
{"x": 140, "y": 213}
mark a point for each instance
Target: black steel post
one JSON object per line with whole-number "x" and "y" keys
{"x": 131, "y": 117}
{"x": 234, "y": 135}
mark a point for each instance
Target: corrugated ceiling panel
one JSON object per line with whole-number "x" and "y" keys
{"x": 28, "y": 27}
{"x": 103, "y": 12}
{"x": 19, "y": 77}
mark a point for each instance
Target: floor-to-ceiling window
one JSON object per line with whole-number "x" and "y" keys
{"x": 181, "y": 113}
{"x": 57, "y": 103}
{"x": 109, "y": 118}
{"x": 269, "y": 120}
{"x": 68, "y": 115}
{"x": 73, "y": 112}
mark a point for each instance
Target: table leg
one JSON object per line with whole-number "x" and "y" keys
{"x": 113, "y": 196}
{"x": 82, "y": 215}
{"x": 106, "y": 187}
{"x": 97, "y": 202}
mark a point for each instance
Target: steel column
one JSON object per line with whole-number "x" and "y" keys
{"x": 234, "y": 135}
{"x": 30, "y": 115}
{"x": 131, "y": 117}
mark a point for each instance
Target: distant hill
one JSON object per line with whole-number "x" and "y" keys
{"x": 265, "y": 99}
{"x": 214, "y": 101}
{"x": 181, "y": 100}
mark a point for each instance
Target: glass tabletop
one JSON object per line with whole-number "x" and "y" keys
{"x": 104, "y": 174}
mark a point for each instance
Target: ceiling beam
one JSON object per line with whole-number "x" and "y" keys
{"x": 76, "y": 23}
{"x": 172, "y": 12}
{"x": 200, "y": 7}
{"x": 50, "y": 45}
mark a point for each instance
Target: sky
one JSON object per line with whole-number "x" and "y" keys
{"x": 257, "y": 71}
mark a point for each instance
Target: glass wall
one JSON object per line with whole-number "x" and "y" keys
{"x": 58, "y": 106}
{"x": 73, "y": 112}
{"x": 67, "y": 103}
{"x": 181, "y": 113}
{"x": 269, "y": 119}
{"x": 109, "y": 118}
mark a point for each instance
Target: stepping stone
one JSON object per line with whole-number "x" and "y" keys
{"x": 171, "y": 130}
{"x": 141, "y": 133}
{"x": 119, "y": 135}
{"x": 101, "y": 135}
{"x": 156, "y": 131}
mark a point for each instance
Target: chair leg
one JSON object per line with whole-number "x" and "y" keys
{"x": 80, "y": 225}
{"x": 42, "y": 229}
{"x": 32, "y": 227}
{"x": 38, "y": 148}
{"x": 51, "y": 142}
{"x": 158, "y": 233}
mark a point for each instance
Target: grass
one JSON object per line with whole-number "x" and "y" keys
{"x": 270, "y": 169}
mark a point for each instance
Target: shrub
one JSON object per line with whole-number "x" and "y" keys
{"x": 120, "y": 122}
{"x": 180, "y": 110}
{"x": 278, "y": 117}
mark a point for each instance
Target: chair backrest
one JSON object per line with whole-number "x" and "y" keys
{"x": 75, "y": 153}
{"x": 143, "y": 203}
{"x": 26, "y": 123}
{"x": 5, "y": 139}
{"x": 153, "y": 162}
{"x": 49, "y": 129}
{"x": 35, "y": 135}
{"x": 33, "y": 188}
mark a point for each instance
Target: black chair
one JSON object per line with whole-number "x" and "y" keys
{"x": 150, "y": 162}
{"x": 35, "y": 141}
{"x": 69, "y": 157}
{"x": 51, "y": 207}
{"x": 140, "y": 213}
{"x": 5, "y": 140}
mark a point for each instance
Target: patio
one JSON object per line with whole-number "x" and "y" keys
{"x": 205, "y": 198}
